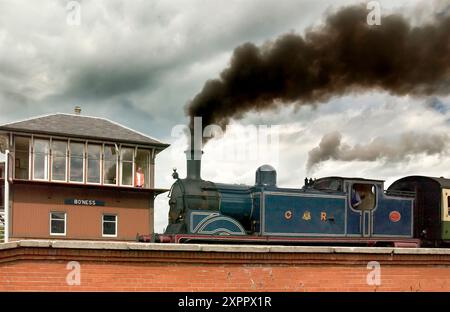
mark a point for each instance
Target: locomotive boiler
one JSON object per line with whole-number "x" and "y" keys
{"x": 414, "y": 210}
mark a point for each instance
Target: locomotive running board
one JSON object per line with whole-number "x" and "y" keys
{"x": 395, "y": 242}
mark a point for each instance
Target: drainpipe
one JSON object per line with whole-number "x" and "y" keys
{"x": 6, "y": 197}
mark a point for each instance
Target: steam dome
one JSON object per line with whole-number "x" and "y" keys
{"x": 266, "y": 175}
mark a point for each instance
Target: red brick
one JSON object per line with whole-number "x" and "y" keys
{"x": 44, "y": 269}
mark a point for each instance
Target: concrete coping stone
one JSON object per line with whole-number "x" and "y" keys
{"x": 364, "y": 250}
{"x": 89, "y": 245}
{"x": 9, "y": 245}
{"x": 423, "y": 251}
{"x": 164, "y": 247}
{"x": 34, "y": 243}
{"x": 109, "y": 245}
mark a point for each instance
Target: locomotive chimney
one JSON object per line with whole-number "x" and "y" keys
{"x": 194, "y": 153}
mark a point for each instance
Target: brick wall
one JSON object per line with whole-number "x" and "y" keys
{"x": 146, "y": 268}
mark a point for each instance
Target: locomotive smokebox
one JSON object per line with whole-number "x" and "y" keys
{"x": 194, "y": 152}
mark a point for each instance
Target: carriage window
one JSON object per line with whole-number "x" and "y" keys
{"x": 448, "y": 206}
{"x": 363, "y": 196}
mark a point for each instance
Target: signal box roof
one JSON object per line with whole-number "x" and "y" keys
{"x": 80, "y": 126}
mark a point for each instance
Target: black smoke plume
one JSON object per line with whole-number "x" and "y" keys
{"x": 344, "y": 55}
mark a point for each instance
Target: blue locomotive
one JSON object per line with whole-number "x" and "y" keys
{"x": 414, "y": 211}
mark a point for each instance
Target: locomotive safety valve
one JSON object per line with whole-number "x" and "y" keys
{"x": 175, "y": 174}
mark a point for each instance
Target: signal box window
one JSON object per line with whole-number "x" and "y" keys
{"x": 126, "y": 160}
{"x": 109, "y": 225}
{"x": 363, "y": 196}
{"x": 22, "y": 153}
{"x": 41, "y": 156}
{"x": 93, "y": 163}
{"x": 142, "y": 168}
{"x": 76, "y": 162}
{"x": 57, "y": 223}
{"x": 59, "y": 162}
{"x": 110, "y": 165}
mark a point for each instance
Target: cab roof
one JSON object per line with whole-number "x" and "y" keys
{"x": 349, "y": 178}
{"x": 443, "y": 182}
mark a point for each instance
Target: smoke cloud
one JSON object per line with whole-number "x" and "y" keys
{"x": 394, "y": 150}
{"x": 343, "y": 55}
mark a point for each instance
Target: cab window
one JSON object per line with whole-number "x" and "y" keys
{"x": 363, "y": 196}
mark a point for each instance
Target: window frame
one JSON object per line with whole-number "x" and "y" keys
{"x": 448, "y": 206}
{"x": 375, "y": 195}
{"x": 104, "y": 162}
{"x": 49, "y": 141}
{"x": 147, "y": 172}
{"x": 100, "y": 164}
{"x": 30, "y": 160}
{"x": 2, "y": 197}
{"x": 66, "y": 173}
{"x": 133, "y": 148}
{"x": 445, "y": 204}
{"x": 116, "y": 224}
{"x": 69, "y": 156}
{"x": 65, "y": 223}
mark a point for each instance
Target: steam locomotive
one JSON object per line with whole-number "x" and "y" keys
{"x": 412, "y": 212}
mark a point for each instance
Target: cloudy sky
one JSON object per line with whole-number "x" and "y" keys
{"x": 139, "y": 63}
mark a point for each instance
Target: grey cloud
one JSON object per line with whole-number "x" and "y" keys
{"x": 384, "y": 149}
{"x": 124, "y": 65}
{"x": 125, "y": 49}
{"x": 103, "y": 82}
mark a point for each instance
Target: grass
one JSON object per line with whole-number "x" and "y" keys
{"x": 2, "y": 233}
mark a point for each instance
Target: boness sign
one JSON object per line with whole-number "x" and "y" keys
{"x": 84, "y": 202}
